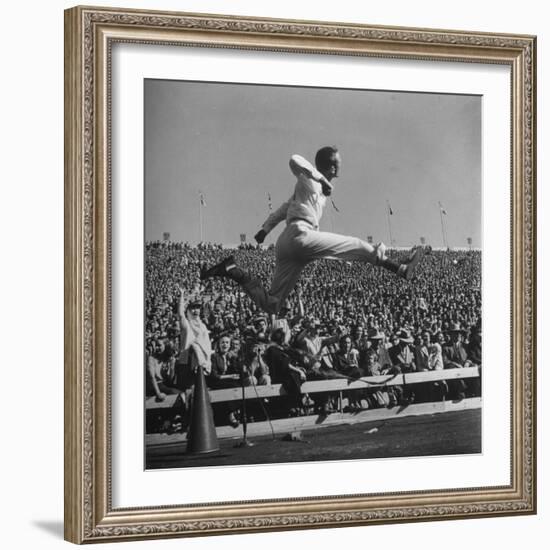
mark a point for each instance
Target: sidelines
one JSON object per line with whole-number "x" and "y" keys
{"x": 286, "y": 425}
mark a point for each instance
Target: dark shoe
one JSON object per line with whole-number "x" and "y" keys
{"x": 406, "y": 270}
{"x": 218, "y": 270}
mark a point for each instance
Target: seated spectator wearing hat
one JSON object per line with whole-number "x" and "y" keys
{"x": 377, "y": 348}
{"x": 314, "y": 348}
{"x": 455, "y": 356}
{"x": 377, "y": 396}
{"x": 402, "y": 355}
{"x": 312, "y": 343}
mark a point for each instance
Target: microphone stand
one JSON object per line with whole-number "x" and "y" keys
{"x": 244, "y": 442}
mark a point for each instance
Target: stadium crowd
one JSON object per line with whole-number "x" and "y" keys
{"x": 344, "y": 320}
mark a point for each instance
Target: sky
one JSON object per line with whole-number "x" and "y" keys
{"x": 232, "y": 143}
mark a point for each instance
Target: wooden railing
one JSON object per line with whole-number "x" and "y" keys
{"x": 320, "y": 386}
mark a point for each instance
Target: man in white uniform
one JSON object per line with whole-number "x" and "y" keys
{"x": 301, "y": 242}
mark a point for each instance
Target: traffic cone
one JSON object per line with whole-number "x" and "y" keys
{"x": 201, "y": 436}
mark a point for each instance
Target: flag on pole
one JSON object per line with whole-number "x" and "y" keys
{"x": 203, "y": 202}
{"x": 443, "y": 211}
{"x": 390, "y": 210}
{"x": 269, "y": 205}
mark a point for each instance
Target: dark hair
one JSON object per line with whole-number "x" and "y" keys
{"x": 323, "y": 156}
{"x": 278, "y": 335}
{"x": 343, "y": 338}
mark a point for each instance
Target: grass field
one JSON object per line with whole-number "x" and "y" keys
{"x": 457, "y": 432}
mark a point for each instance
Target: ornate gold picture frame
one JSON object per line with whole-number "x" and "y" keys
{"x": 90, "y": 35}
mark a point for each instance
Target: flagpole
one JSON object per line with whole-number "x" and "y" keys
{"x": 389, "y": 222}
{"x": 200, "y": 216}
{"x": 443, "y": 233}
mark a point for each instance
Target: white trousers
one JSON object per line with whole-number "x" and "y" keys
{"x": 298, "y": 245}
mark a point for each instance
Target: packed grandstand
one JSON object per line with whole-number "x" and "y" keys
{"x": 344, "y": 320}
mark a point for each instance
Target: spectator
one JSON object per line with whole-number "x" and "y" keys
{"x": 346, "y": 362}
{"x": 474, "y": 344}
{"x": 455, "y": 356}
{"x": 283, "y": 372}
{"x": 260, "y": 328}
{"x": 254, "y": 369}
{"x": 223, "y": 366}
{"x": 402, "y": 357}
{"x": 284, "y": 320}
{"x": 346, "y": 359}
{"x": 377, "y": 347}
{"x": 160, "y": 373}
{"x": 195, "y": 346}
{"x": 401, "y": 354}
{"x": 220, "y": 378}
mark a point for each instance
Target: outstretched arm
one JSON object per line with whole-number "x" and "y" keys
{"x": 185, "y": 335}
{"x": 329, "y": 340}
{"x": 301, "y": 312}
{"x": 182, "y": 306}
{"x": 272, "y": 221}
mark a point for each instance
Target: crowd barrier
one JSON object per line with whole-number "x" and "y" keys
{"x": 344, "y": 384}
{"x": 175, "y": 404}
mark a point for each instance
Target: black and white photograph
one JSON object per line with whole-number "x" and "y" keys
{"x": 313, "y": 274}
